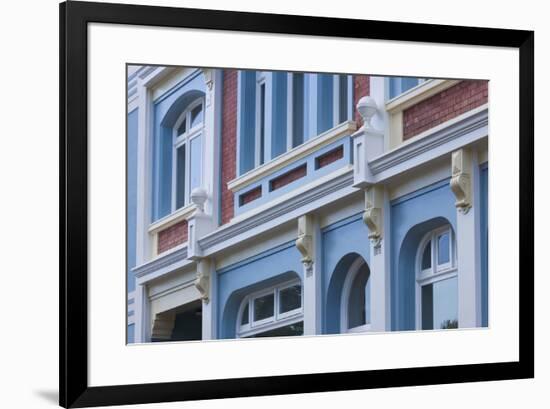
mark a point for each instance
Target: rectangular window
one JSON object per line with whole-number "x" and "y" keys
{"x": 180, "y": 177}
{"x": 297, "y": 109}
{"x": 290, "y": 298}
{"x": 262, "y": 124}
{"x": 440, "y": 304}
{"x": 264, "y": 307}
{"x": 195, "y": 157}
{"x": 342, "y": 98}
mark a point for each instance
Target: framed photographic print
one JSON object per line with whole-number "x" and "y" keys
{"x": 258, "y": 204}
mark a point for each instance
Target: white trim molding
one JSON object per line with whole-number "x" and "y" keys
{"x": 400, "y": 103}
{"x": 299, "y": 152}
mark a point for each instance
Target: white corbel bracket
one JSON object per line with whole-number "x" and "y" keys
{"x": 461, "y": 183}
{"x": 304, "y": 242}
{"x": 373, "y": 213}
{"x": 202, "y": 282}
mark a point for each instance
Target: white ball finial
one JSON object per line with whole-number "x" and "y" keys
{"x": 367, "y": 108}
{"x": 198, "y": 197}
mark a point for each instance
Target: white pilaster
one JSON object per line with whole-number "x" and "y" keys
{"x": 143, "y": 200}
{"x": 141, "y": 314}
{"x": 212, "y": 131}
{"x": 467, "y": 238}
{"x": 209, "y": 304}
{"x": 377, "y": 211}
{"x": 308, "y": 243}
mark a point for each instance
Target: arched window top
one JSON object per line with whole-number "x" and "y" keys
{"x": 436, "y": 253}
{"x": 273, "y": 311}
{"x": 437, "y": 281}
{"x": 187, "y": 153}
{"x": 190, "y": 120}
{"x": 355, "y": 307}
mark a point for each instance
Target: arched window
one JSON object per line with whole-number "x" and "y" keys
{"x": 355, "y": 308}
{"x": 272, "y": 312}
{"x": 437, "y": 281}
{"x": 187, "y": 153}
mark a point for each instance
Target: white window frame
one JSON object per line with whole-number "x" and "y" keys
{"x": 185, "y": 139}
{"x": 346, "y": 292}
{"x": 436, "y": 272}
{"x": 277, "y": 320}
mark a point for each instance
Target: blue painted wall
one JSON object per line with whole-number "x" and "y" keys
{"x": 342, "y": 243}
{"x": 131, "y": 171}
{"x": 484, "y": 203}
{"x": 131, "y": 192}
{"x": 166, "y": 111}
{"x": 263, "y": 270}
{"x": 131, "y": 334}
{"x": 412, "y": 216}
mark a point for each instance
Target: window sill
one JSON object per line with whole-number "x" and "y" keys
{"x": 176, "y": 217}
{"x": 419, "y": 93}
{"x": 291, "y": 156}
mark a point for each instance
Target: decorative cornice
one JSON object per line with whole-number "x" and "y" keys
{"x": 417, "y": 94}
{"x": 165, "y": 260}
{"x": 299, "y": 152}
{"x": 282, "y": 208}
{"x": 437, "y": 136}
{"x": 176, "y": 217}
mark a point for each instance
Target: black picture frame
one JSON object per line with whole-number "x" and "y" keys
{"x": 73, "y": 349}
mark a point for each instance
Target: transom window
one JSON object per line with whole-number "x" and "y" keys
{"x": 437, "y": 281}
{"x": 276, "y": 311}
{"x": 356, "y": 299}
{"x": 187, "y": 153}
{"x": 400, "y": 85}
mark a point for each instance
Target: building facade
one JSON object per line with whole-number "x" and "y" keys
{"x": 266, "y": 203}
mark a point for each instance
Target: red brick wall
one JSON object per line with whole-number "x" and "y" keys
{"x": 330, "y": 157}
{"x": 250, "y": 196}
{"x": 288, "y": 177}
{"x": 229, "y": 141}
{"x": 172, "y": 236}
{"x": 446, "y": 105}
{"x": 361, "y": 87}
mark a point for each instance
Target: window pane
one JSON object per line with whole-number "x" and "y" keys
{"x": 244, "y": 318}
{"x": 182, "y": 127}
{"x": 427, "y": 256}
{"x": 325, "y": 102}
{"x": 440, "y": 304}
{"x": 297, "y": 109}
{"x": 343, "y": 89}
{"x": 180, "y": 177}
{"x": 196, "y": 116}
{"x": 196, "y": 162}
{"x": 262, "y": 123}
{"x": 443, "y": 255}
{"x": 263, "y": 307}
{"x": 359, "y": 299}
{"x": 399, "y": 85}
{"x": 290, "y": 298}
{"x": 286, "y": 331}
